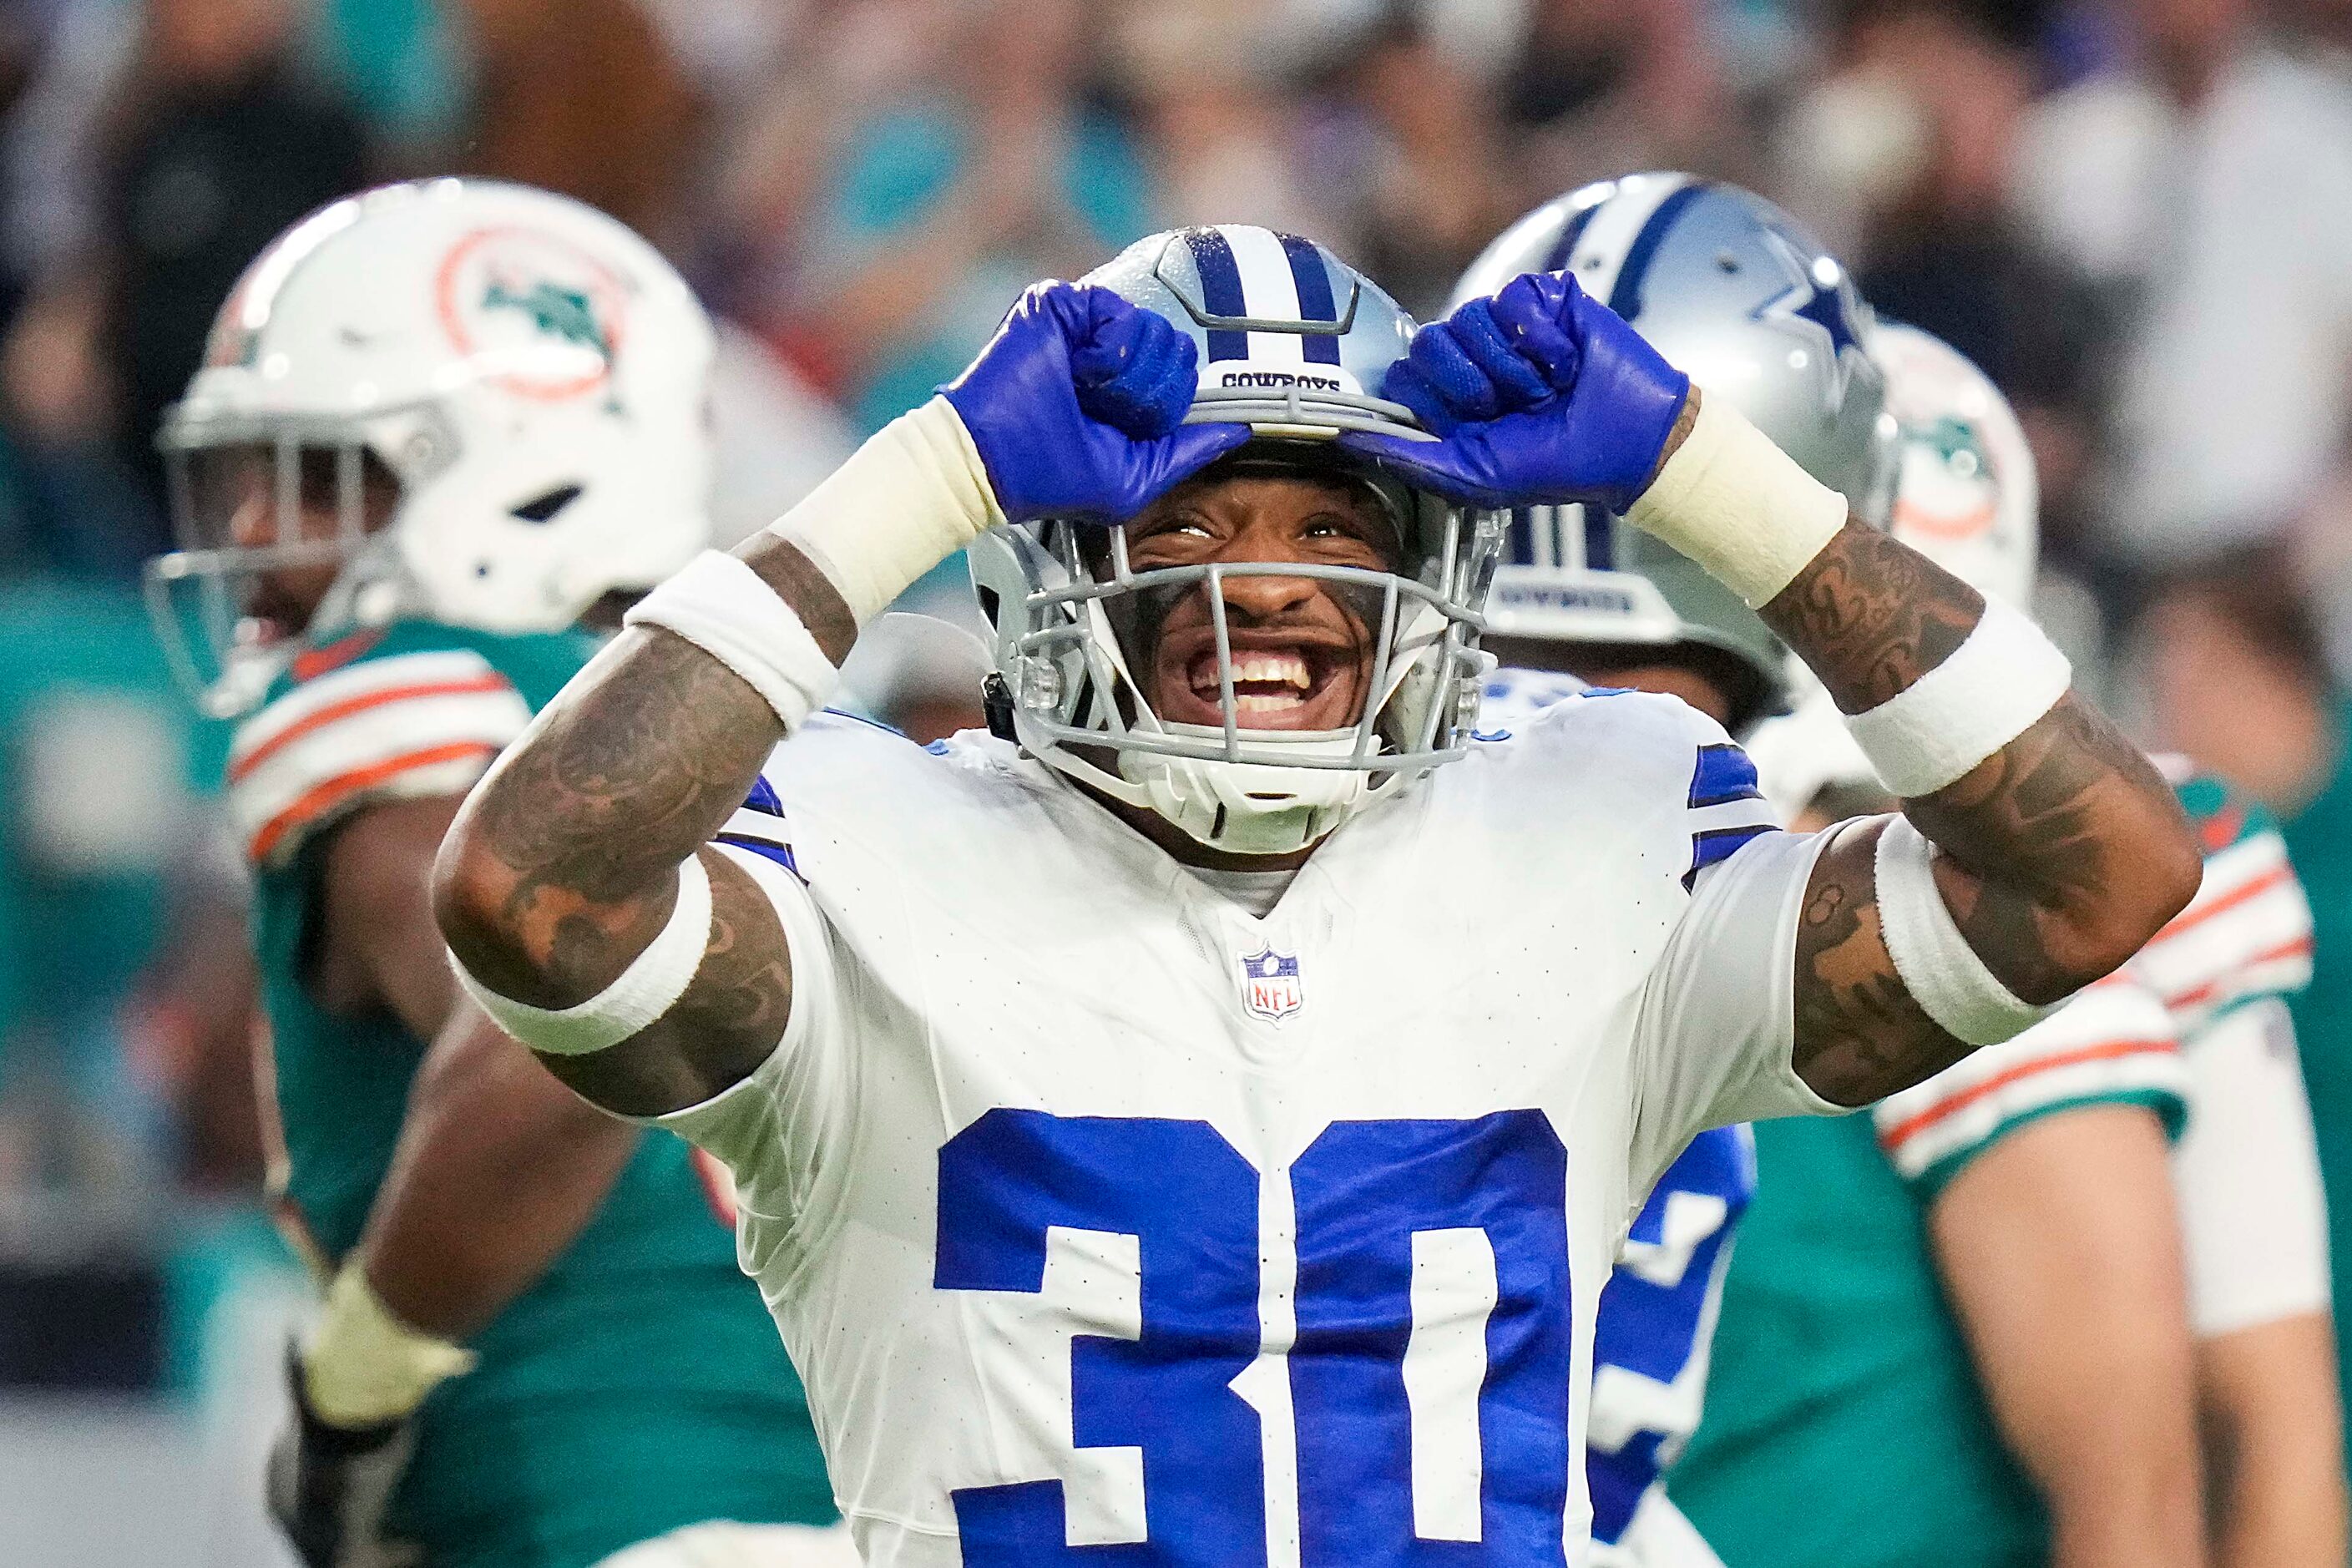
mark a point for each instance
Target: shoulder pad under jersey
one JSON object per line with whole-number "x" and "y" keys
{"x": 407, "y": 711}
{"x": 2247, "y": 933}
{"x": 2111, "y": 1043}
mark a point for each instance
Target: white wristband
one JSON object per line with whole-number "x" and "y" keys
{"x": 1938, "y": 967}
{"x": 651, "y": 985}
{"x": 721, "y": 607}
{"x": 362, "y": 1367}
{"x": 1738, "y": 505}
{"x": 2004, "y": 676}
{"x": 913, "y": 495}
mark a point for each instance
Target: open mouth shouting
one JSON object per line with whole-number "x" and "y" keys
{"x": 1292, "y": 679}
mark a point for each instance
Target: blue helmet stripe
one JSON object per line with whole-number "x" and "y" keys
{"x": 1625, "y": 299}
{"x": 1221, "y": 289}
{"x": 1519, "y": 537}
{"x": 763, "y": 798}
{"x": 1564, "y": 248}
{"x": 1599, "y": 539}
{"x": 1315, "y": 302}
{"x": 1724, "y": 773}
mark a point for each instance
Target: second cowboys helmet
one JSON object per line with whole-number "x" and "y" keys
{"x": 1732, "y": 291}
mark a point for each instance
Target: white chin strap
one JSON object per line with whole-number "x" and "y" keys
{"x": 1251, "y": 808}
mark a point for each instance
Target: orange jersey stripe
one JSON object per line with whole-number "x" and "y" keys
{"x": 2190, "y": 919}
{"x": 313, "y": 663}
{"x": 321, "y": 797}
{"x": 2299, "y": 948}
{"x": 472, "y": 685}
{"x": 2110, "y": 1051}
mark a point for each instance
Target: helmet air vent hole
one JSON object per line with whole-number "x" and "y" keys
{"x": 1268, "y": 794}
{"x": 1726, "y": 261}
{"x": 543, "y": 508}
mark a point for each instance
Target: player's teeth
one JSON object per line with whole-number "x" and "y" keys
{"x": 1250, "y": 702}
{"x": 1287, "y": 667}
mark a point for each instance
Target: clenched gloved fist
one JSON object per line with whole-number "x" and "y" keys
{"x": 1540, "y": 396}
{"x": 1076, "y": 406}
{"x": 328, "y": 1486}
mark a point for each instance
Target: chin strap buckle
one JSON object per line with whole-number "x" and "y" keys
{"x": 996, "y": 702}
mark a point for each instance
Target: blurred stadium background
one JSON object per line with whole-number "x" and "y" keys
{"x": 2135, "y": 214}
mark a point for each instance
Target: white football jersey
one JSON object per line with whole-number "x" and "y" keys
{"x": 1098, "y": 1214}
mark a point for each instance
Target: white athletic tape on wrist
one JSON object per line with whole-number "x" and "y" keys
{"x": 362, "y": 1367}
{"x": 721, "y": 607}
{"x": 1938, "y": 967}
{"x": 1738, "y": 505}
{"x": 913, "y": 495}
{"x": 2001, "y": 681}
{"x": 651, "y": 985}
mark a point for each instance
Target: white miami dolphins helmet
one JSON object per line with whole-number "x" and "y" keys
{"x": 530, "y": 372}
{"x": 1967, "y": 495}
{"x": 1733, "y": 293}
{"x": 1293, "y": 342}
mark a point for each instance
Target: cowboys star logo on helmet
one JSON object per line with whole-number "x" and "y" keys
{"x": 1732, "y": 291}
{"x": 1814, "y": 306}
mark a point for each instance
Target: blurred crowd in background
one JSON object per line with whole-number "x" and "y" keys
{"x": 2137, "y": 215}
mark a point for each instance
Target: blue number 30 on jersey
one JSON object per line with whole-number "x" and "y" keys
{"x": 1423, "y": 1418}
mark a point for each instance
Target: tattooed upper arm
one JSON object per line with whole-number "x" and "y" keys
{"x": 727, "y": 1024}
{"x": 563, "y": 865}
{"x": 1859, "y": 1035}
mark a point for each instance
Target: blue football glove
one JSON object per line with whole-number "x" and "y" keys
{"x": 1540, "y": 396}
{"x": 1078, "y": 406}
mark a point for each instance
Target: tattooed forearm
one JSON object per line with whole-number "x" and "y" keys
{"x": 562, "y": 865}
{"x": 1871, "y": 616}
{"x": 2061, "y": 852}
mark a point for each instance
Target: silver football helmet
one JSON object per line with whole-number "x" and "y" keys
{"x": 1735, "y": 294}
{"x": 1293, "y": 342}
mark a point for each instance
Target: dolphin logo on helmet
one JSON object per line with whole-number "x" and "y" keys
{"x": 1287, "y": 337}
{"x": 1732, "y": 290}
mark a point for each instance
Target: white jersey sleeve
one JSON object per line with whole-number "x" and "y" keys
{"x": 1715, "y": 1037}
{"x": 771, "y": 1128}
{"x": 2245, "y": 935}
{"x": 2252, "y": 1211}
{"x": 2251, "y": 1205}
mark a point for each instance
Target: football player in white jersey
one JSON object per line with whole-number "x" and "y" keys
{"x": 1112, "y": 1212}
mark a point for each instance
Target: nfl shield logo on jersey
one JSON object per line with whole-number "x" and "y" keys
{"x": 1270, "y": 984}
